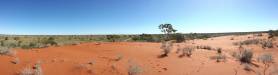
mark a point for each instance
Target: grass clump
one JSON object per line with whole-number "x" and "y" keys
{"x": 134, "y": 69}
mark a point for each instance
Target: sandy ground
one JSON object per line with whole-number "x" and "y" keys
{"x": 93, "y": 59}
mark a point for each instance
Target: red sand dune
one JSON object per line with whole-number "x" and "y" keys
{"x": 75, "y": 60}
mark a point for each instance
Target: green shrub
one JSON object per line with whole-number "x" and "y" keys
{"x": 113, "y": 38}
{"x": 178, "y": 37}
{"x": 145, "y": 38}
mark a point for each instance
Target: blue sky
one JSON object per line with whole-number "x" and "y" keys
{"x": 135, "y": 16}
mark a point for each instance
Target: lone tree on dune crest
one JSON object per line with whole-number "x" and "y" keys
{"x": 167, "y": 29}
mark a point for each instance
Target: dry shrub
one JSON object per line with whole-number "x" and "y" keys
{"x": 266, "y": 59}
{"x": 7, "y": 51}
{"x": 134, "y": 69}
{"x": 187, "y": 51}
{"x": 267, "y": 44}
{"x": 38, "y": 69}
{"x": 219, "y": 50}
{"x": 232, "y": 38}
{"x": 27, "y": 71}
{"x": 247, "y": 67}
{"x": 219, "y": 58}
{"x": 204, "y": 47}
{"x": 119, "y": 57}
{"x": 248, "y": 42}
{"x": 166, "y": 47}
{"x": 15, "y": 61}
{"x": 178, "y": 49}
{"x": 245, "y": 56}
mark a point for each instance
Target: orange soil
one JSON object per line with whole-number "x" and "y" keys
{"x": 73, "y": 60}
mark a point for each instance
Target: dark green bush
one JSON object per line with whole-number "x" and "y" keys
{"x": 178, "y": 37}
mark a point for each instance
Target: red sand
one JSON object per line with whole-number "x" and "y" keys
{"x": 73, "y": 60}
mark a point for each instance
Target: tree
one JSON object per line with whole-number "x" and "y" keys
{"x": 167, "y": 29}
{"x": 272, "y": 33}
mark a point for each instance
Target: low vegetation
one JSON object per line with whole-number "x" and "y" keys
{"x": 263, "y": 43}
{"x": 134, "y": 69}
{"x": 166, "y": 48}
{"x": 267, "y": 44}
{"x": 7, "y": 51}
{"x": 266, "y": 59}
{"x": 186, "y": 51}
{"x": 272, "y": 33}
{"x": 206, "y": 47}
{"x": 219, "y": 58}
{"x": 245, "y": 56}
{"x": 27, "y": 71}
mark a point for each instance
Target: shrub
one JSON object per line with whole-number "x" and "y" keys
{"x": 119, "y": 57}
{"x": 27, "y": 71}
{"x": 266, "y": 59}
{"x": 145, "y": 38}
{"x": 113, "y": 38}
{"x": 247, "y": 67}
{"x": 134, "y": 69}
{"x": 272, "y": 33}
{"x": 16, "y": 60}
{"x": 251, "y": 41}
{"x": 232, "y": 38}
{"x": 186, "y": 51}
{"x": 51, "y": 41}
{"x": 7, "y": 51}
{"x": 245, "y": 56}
{"x": 166, "y": 47}
{"x": 178, "y": 49}
{"x": 204, "y": 47}
{"x": 178, "y": 37}
{"x": 9, "y": 43}
{"x": 38, "y": 69}
{"x": 4, "y": 50}
{"x": 219, "y": 58}
{"x": 207, "y": 47}
{"x": 267, "y": 44}
{"x": 219, "y": 50}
